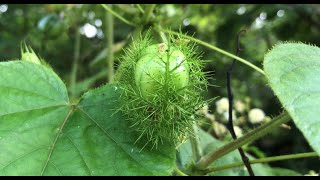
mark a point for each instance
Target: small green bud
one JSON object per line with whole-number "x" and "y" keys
{"x": 29, "y": 55}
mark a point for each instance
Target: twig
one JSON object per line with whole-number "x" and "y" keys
{"x": 140, "y": 8}
{"x": 149, "y": 10}
{"x": 215, "y": 49}
{"x": 109, "y": 34}
{"x": 195, "y": 144}
{"x": 264, "y": 160}
{"x": 244, "y": 158}
{"x": 257, "y": 133}
{"x": 117, "y": 15}
{"x": 73, "y": 76}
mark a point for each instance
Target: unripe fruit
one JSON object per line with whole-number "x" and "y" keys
{"x": 162, "y": 86}
{"x": 158, "y": 69}
{"x": 156, "y": 49}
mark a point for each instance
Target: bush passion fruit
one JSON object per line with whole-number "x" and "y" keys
{"x": 162, "y": 85}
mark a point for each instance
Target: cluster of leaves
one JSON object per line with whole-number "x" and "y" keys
{"x": 42, "y": 128}
{"x": 42, "y": 133}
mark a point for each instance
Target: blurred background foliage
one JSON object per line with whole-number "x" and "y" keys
{"x": 51, "y": 30}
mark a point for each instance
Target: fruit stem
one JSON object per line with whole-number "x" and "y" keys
{"x": 179, "y": 172}
{"x": 149, "y": 10}
{"x": 195, "y": 144}
{"x": 140, "y": 8}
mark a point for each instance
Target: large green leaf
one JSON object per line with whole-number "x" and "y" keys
{"x": 33, "y": 105}
{"x": 208, "y": 144}
{"x": 293, "y": 71}
{"x": 41, "y": 133}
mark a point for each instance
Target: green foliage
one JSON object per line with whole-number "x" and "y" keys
{"x": 293, "y": 72}
{"x": 208, "y": 144}
{"x": 41, "y": 133}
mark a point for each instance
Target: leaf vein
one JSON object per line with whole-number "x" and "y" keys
{"x": 79, "y": 153}
{"x": 22, "y": 156}
{"x": 44, "y": 107}
{"x": 56, "y": 139}
{"x": 108, "y": 135}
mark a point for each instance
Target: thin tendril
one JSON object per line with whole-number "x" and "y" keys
{"x": 245, "y": 159}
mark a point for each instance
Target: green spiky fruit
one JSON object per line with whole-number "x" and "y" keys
{"x": 162, "y": 86}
